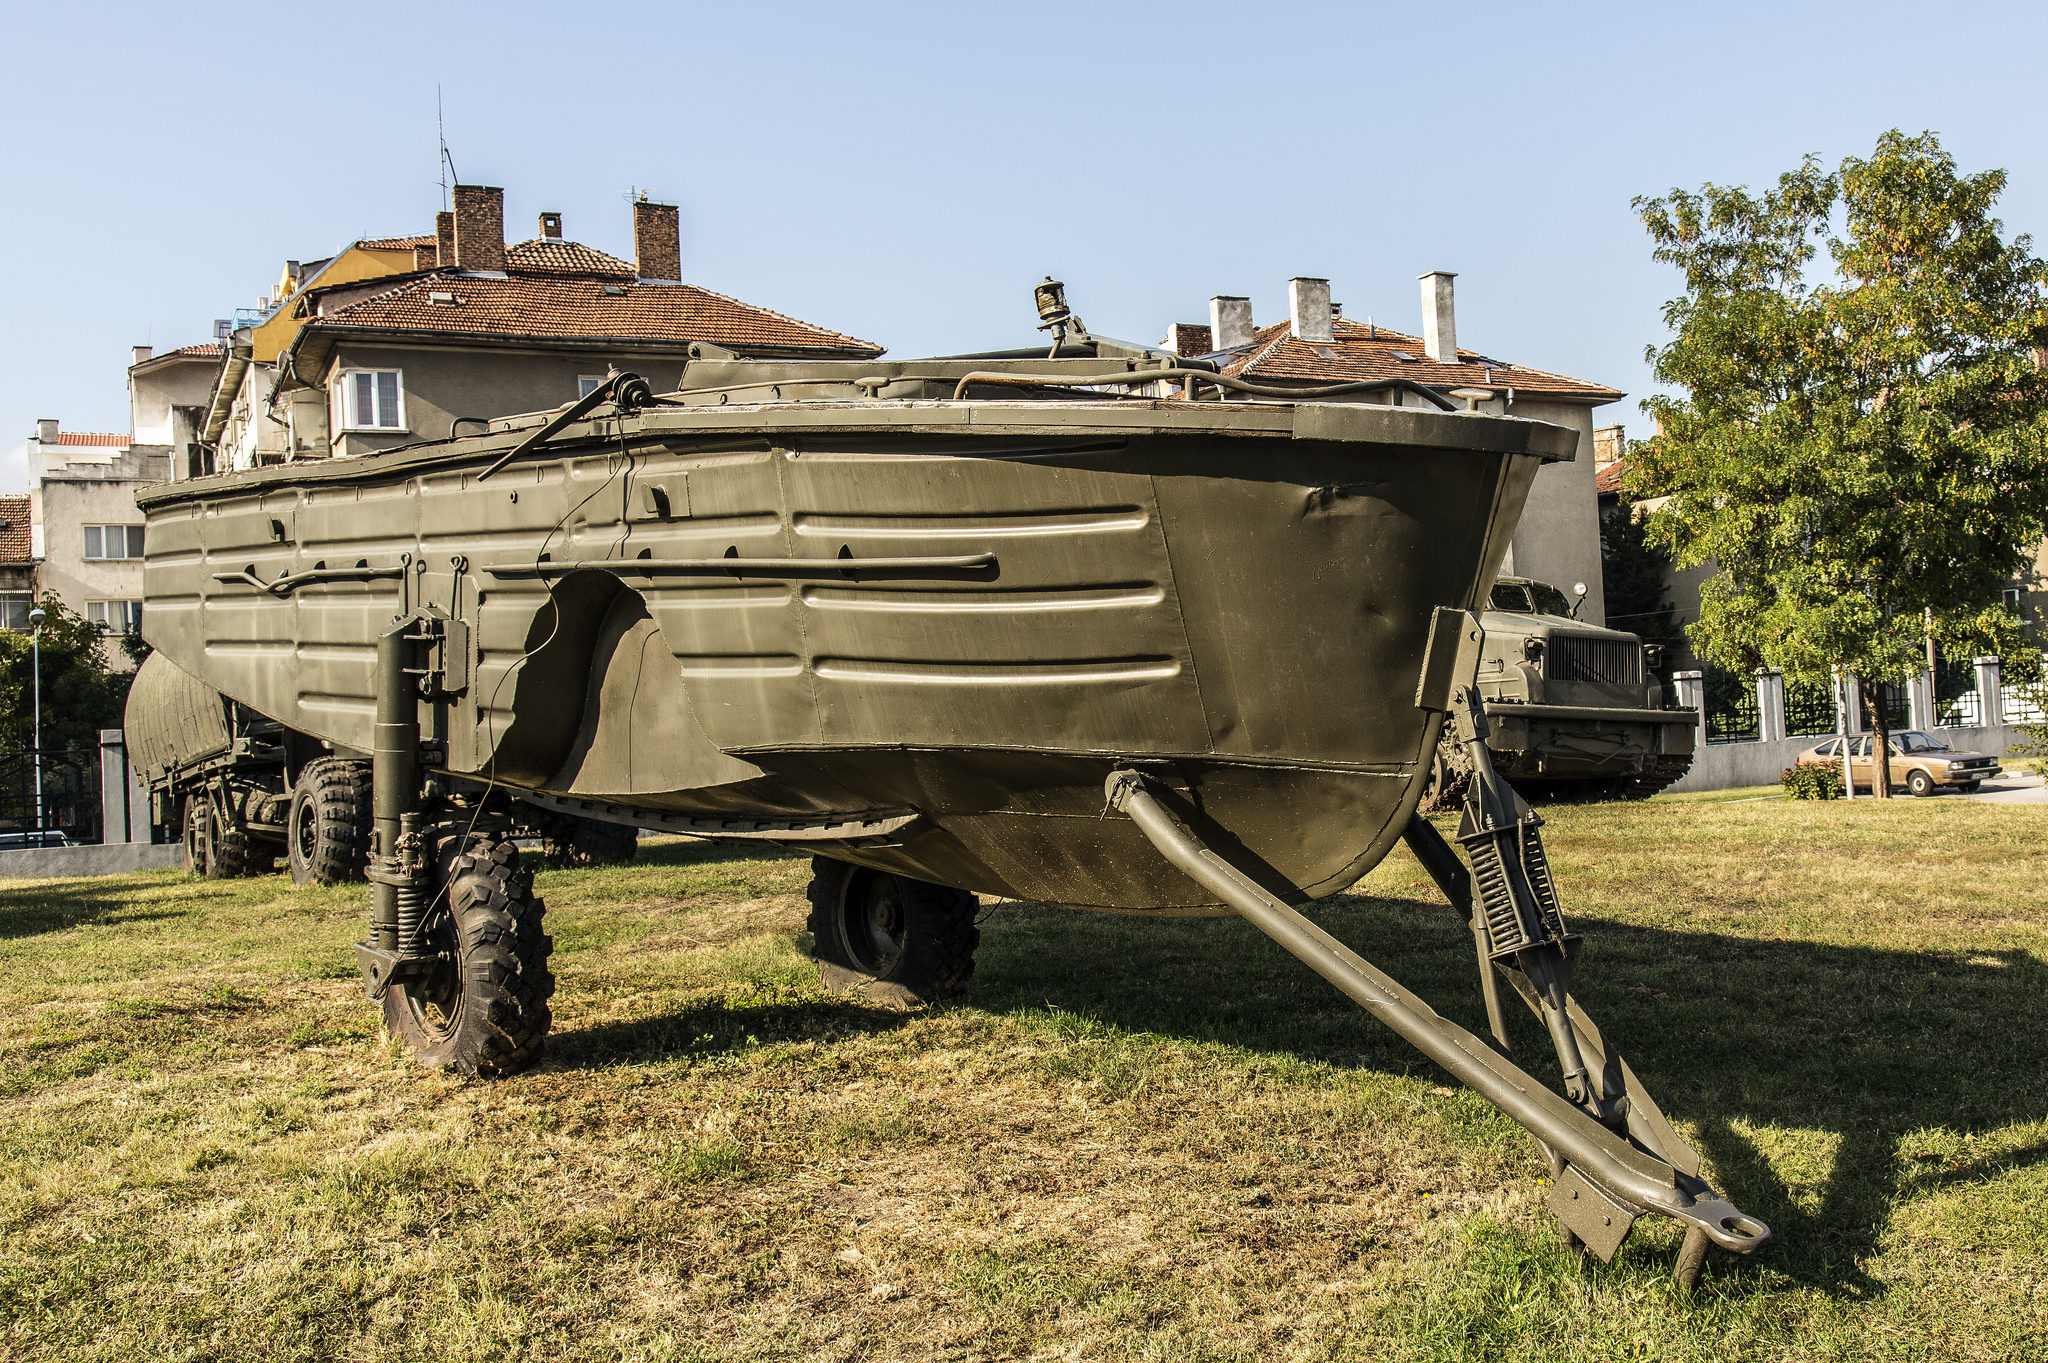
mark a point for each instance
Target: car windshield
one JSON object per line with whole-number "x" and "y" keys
{"x": 1913, "y": 741}
{"x": 1511, "y": 596}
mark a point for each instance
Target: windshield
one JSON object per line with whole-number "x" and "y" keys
{"x": 1510, "y": 596}
{"x": 1549, "y": 600}
{"x": 1913, "y": 741}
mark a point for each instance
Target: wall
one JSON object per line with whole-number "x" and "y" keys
{"x": 442, "y": 383}
{"x": 70, "y": 499}
{"x": 1729, "y": 766}
{"x": 1558, "y": 540}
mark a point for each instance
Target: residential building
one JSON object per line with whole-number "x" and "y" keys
{"x": 1558, "y": 539}
{"x": 167, "y": 402}
{"x": 352, "y": 362}
{"x": 17, "y": 560}
{"x": 86, "y": 530}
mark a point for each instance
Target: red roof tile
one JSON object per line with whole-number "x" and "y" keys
{"x": 17, "y": 542}
{"x": 205, "y": 350}
{"x": 588, "y": 308}
{"x": 101, "y": 438}
{"x": 1360, "y": 352}
{"x": 396, "y": 243}
{"x": 554, "y": 253}
{"x": 1608, "y": 479}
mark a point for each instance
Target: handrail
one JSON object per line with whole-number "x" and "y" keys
{"x": 762, "y": 567}
{"x": 1236, "y": 385}
{"x": 285, "y": 586}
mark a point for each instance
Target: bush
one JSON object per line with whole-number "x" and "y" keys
{"x": 1811, "y": 781}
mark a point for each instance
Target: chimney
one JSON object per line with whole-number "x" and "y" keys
{"x": 1308, "y": 309}
{"x": 444, "y": 240}
{"x": 1230, "y": 322}
{"x": 1439, "y": 317}
{"x": 657, "y": 241}
{"x": 1609, "y": 443}
{"x": 46, "y": 430}
{"x": 142, "y": 353}
{"x": 479, "y": 227}
{"x": 1188, "y": 338}
{"x": 551, "y": 227}
{"x": 425, "y": 257}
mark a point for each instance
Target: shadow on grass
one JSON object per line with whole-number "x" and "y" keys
{"x": 722, "y": 1024}
{"x": 55, "y": 905}
{"x": 697, "y": 852}
{"x": 1730, "y": 1034}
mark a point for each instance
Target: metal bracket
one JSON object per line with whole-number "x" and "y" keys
{"x": 382, "y": 969}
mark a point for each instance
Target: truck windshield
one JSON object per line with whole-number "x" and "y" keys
{"x": 1511, "y": 596}
{"x": 1549, "y": 600}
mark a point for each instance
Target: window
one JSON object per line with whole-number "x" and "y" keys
{"x": 113, "y": 541}
{"x": 372, "y": 400}
{"x": 14, "y": 611}
{"x": 586, "y": 384}
{"x": 1829, "y": 749}
{"x": 1510, "y": 596}
{"x": 2012, "y": 600}
{"x": 115, "y": 617}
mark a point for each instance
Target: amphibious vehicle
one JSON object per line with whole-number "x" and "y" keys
{"x": 1105, "y": 629}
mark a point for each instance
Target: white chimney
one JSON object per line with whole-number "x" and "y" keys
{"x": 1439, "y": 317}
{"x": 46, "y": 430}
{"x": 142, "y": 353}
{"x": 1308, "y": 309}
{"x": 1230, "y": 322}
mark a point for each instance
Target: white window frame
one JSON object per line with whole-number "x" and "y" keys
{"x": 347, "y": 418}
{"x": 128, "y": 533}
{"x": 115, "y": 616}
{"x": 587, "y": 383}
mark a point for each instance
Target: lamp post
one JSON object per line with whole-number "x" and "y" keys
{"x": 35, "y": 619}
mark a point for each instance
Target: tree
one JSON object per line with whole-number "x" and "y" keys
{"x": 1861, "y": 457}
{"x": 81, "y": 694}
{"x": 1633, "y": 583}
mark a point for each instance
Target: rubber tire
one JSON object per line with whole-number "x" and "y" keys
{"x": 330, "y": 811}
{"x": 591, "y": 842}
{"x": 194, "y": 813}
{"x": 230, "y": 853}
{"x": 1970, "y": 787}
{"x": 934, "y": 940}
{"x": 1919, "y": 784}
{"x": 486, "y": 1013}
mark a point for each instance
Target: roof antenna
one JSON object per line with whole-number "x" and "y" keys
{"x": 447, "y": 161}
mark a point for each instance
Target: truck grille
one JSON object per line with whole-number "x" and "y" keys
{"x": 1579, "y": 657}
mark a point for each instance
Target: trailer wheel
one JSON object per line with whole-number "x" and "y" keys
{"x": 573, "y": 841}
{"x": 327, "y": 834}
{"x": 192, "y": 833}
{"x": 214, "y": 850}
{"x": 484, "y": 1010}
{"x": 890, "y": 938}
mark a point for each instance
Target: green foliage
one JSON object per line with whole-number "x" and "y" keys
{"x": 81, "y": 694}
{"x": 1863, "y": 458}
{"x": 1633, "y": 581}
{"x": 1812, "y": 781}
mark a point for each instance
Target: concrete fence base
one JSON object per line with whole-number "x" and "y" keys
{"x": 108, "y": 859}
{"x": 1727, "y": 766}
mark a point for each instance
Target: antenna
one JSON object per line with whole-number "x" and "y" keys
{"x": 447, "y": 166}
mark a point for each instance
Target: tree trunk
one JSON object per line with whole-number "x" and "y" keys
{"x": 1881, "y": 741}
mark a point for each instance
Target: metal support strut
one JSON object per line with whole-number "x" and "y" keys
{"x": 1613, "y": 1154}
{"x": 397, "y": 870}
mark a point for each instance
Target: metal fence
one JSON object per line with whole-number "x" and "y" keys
{"x": 1732, "y": 712}
{"x": 71, "y": 792}
{"x": 1810, "y": 709}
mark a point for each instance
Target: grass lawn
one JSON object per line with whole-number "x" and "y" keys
{"x": 1135, "y": 1140}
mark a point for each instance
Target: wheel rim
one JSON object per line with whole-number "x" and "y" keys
{"x": 435, "y": 1002}
{"x": 305, "y": 831}
{"x": 872, "y": 921}
{"x": 195, "y": 838}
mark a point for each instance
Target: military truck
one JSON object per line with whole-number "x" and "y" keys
{"x": 1116, "y": 632}
{"x": 1576, "y": 711}
{"x": 240, "y": 790}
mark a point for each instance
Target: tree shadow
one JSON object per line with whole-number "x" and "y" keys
{"x": 1736, "y": 1036}
{"x": 722, "y": 1024}
{"x": 46, "y": 906}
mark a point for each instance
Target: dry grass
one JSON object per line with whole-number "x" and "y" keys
{"x": 1136, "y": 1140}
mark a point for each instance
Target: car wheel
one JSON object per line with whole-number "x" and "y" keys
{"x": 1970, "y": 787}
{"x": 1920, "y": 783}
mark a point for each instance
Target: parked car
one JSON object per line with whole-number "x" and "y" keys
{"x": 1919, "y": 763}
{"x": 34, "y": 837}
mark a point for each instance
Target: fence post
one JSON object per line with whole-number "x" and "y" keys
{"x": 1770, "y": 705}
{"x": 1990, "y": 695}
{"x": 115, "y": 801}
{"x": 1692, "y": 690}
{"x": 1920, "y": 700}
{"x": 1852, "y": 703}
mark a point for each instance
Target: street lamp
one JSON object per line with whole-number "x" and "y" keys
{"x": 35, "y": 619}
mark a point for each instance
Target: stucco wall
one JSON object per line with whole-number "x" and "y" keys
{"x": 1558, "y": 540}
{"x": 444, "y": 383}
{"x": 64, "y": 507}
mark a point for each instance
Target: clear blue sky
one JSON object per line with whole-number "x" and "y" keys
{"x": 907, "y": 172}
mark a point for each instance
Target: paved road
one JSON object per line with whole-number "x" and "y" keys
{"x": 2013, "y": 790}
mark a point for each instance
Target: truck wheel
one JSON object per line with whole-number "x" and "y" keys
{"x": 574, "y": 841}
{"x": 1920, "y": 783}
{"x": 197, "y": 812}
{"x": 890, "y": 938}
{"x": 228, "y": 851}
{"x": 327, "y": 834}
{"x": 484, "y": 1010}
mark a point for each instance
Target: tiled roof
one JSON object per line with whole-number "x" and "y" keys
{"x": 205, "y": 350}
{"x": 102, "y": 438}
{"x": 546, "y": 307}
{"x": 1608, "y": 479}
{"x": 1360, "y": 352}
{"x": 17, "y": 541}
{"x": 396, "y": 243}
{"x": 554, "y": 253}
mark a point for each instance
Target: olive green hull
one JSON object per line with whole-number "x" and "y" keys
{"x": 1233, "y": 598}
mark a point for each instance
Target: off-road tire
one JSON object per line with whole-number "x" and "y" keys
{"x": 888, "y": 938}
{"x": 327, "y": 832}
{"x": 1445, "y": 783}
{"x": 1667, "y": 771}
{"x": 1919, "y": 784}
{"x": 193, "y": 813}
{"x": 573, "y": 841}
{"x": 485, "y": 1010}
{"x": 227, "y": 852}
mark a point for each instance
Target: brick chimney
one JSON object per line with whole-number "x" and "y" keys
{"x": 551, "y": 227}
{"x": 1187, "y": 338}
{"x": 1230, "y": 322}
{"x": 1439, "y": 317}
{"x": 479, "y": 227}
{"x": 425, "y": 257}
{"x": 657, "y": 241}
{"x": 1308, "y": 309}
{"x": 444, "y": 240}
{"x": 1609, "y": 444}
